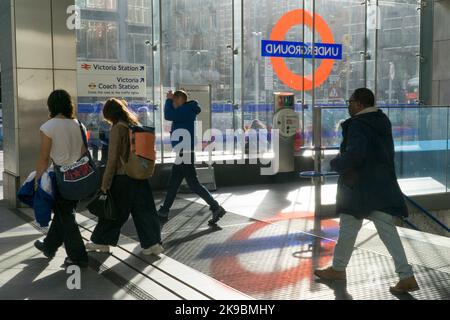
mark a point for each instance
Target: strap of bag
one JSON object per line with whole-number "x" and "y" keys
{"x": 85, "y": 142}
{"x": 83, "y": 134}
{"x": 128, "y": 149}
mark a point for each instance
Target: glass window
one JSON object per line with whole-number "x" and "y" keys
{"x": 138, "y": 51}
{"x": 139, "y": 12}
{"x": 97, "y": 40}
{"x": 398, "y": 47}
{"x": 196, "y": 34}
{"x": 346, "y": 20}
{"x": 199, "y": 44}
{"x": 110, "y": 5}
{"x": 260, "y": 79}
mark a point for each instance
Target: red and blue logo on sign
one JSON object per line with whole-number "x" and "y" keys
{"x": 228, "y": 268}
{"x": 278, "y": 49}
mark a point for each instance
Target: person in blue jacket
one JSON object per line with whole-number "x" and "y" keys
{"x": 183, "y": 114}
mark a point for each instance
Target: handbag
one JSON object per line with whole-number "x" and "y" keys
{"x": 79, "y": 180}
{"x": 103, "y": 206}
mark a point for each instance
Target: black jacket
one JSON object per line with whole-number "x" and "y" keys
{"x": 367, "y": 180}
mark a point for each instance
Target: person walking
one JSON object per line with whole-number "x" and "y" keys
{"x": 130, "y": 196}
{"x": 62, "y": 143}
{"x": 368, "y": 189}
{"x": 183, "y": 114}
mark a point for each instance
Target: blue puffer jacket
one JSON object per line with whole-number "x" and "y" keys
{"x": 41, "y": 200}
{"x": 367, "y": 180}
{"x": 183, "y": 117}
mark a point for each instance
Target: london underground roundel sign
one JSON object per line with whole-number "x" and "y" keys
{"x": 277, "y": 49}
{"x": 246, "y": 278}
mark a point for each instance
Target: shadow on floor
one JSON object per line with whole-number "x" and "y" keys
{"x": 339, "y": 288}
{"x": 34, "y": 282}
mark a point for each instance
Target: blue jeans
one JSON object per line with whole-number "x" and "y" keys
{"x": 187, "y": 171}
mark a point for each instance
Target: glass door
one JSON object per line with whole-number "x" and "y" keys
{"x": 196, "y": 40}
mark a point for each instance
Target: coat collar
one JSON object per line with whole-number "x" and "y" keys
{"x": 367, "y": 110}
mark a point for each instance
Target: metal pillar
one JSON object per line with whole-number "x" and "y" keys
{"x": 317, "y": 152}
{"x": 38, "y": 55}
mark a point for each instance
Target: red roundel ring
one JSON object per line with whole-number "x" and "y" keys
{"x": 289, "y": 78}
{"x": 230, "y": 271}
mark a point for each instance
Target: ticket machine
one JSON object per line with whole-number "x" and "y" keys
{"x": 287, "y": 121}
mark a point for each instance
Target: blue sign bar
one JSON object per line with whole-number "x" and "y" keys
{"x": 89, "y": 108}
{"x": 288, "y": 49}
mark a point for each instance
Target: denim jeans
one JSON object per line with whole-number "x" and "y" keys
{"x": 385, "y": 225}
{"x": 64, "y": 230}
{"x": 187, "y": 171}
{"x": 133, "y": 197}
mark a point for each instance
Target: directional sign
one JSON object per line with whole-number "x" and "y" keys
{"x": 105, "y": 80}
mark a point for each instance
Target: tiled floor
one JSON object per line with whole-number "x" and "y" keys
{"x": 26, "y": 274}
{"x": 275, "y": 258}
{"x": 267, "y": 247}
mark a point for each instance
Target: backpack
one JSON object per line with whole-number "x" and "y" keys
{"x": 140, "y": 162}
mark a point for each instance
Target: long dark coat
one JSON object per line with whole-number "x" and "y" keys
{"x": 367, "y": 180}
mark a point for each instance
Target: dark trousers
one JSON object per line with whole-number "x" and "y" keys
{"x": 133, "y": 197}
{"x": 64, "y": 230}
{"x": 187, "y": 171}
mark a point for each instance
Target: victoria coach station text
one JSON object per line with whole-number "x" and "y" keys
{"x": 288, "y": 49}
{"x": 124, "y": 83}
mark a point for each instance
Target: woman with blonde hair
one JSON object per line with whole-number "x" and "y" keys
{"x": 130, "y": 196}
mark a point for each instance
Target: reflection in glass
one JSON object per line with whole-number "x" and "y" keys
{"x": 209, "y": 42}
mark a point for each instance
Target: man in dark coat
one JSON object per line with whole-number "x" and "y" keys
{"x": 368, "y": 189}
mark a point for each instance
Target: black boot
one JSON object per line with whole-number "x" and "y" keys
{"x": 163, "y": 214}
{"x": 82, "y": 264}
{"x": 40, "y": 245}
{"x": 218, "y": 214}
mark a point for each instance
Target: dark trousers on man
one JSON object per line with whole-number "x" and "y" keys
{"x": 64, "y": 230}
{"x": 187, "y": 171}
{"x": 133, "y": 197}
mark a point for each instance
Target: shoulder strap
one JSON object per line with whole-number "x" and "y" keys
{"x": 127, "y": 156}
{"x": 83, "y": 134}
{"x": 85, "y": 142}
{"x": 123, "y": 125}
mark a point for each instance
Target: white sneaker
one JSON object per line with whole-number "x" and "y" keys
{"x": 90, "y": 246}
{"x": 156, "y": 250}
